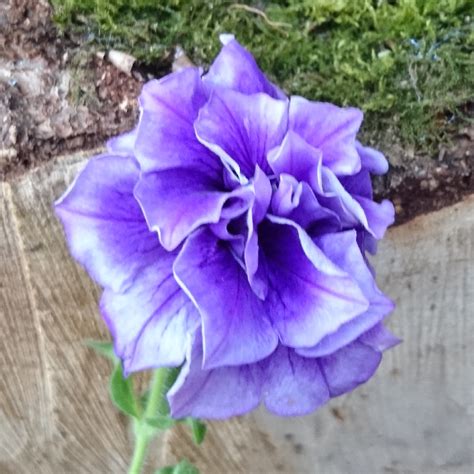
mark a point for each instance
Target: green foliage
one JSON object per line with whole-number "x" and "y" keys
{"x": 103, "y": 348}
{"x": 155, "y": 416}
{"x": 122, "y": 394}
{"x": 407, "y": 63}
{"x": 161, "y": 422}
{"x": 120, "y": 388}
{"x": 198, "y": 429}
{"x": 165, "y": 470}
{"x": 184, "y": 467}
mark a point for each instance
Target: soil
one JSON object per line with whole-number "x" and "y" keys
{"x": 56, "y": 97}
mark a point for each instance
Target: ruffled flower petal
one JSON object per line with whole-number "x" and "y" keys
{"x": 287, "y": 196}
{"x": 241, "y": 129}
{"x": 355, "y": 211}
{"x": 150, "y": 321}
{"x": 235, "y": 68}
{"x": 309, "y": 296}
{"x": 177, "y": 201}
{"x": 292, "y": 385}
{"x": 358, "y": 184}
{"x": 379, "y": 215}
{"x": 165, "y": 134}
{"x": 372, "y": 160}
{"x": 312, "y": 216}
{"x": 380, "y": 338}
{"x": 330, "y": 128}
{"x": 288, "y": 384}
{"x": 255, "y": 215}
{"x": 343, "y": 250}
{"x": 122, "y": 144}
{"x": 104, "y": 224}
{"x": 297, "y": 158}
{"x": 349, "y": 367}
{"x": 231, "y": 313}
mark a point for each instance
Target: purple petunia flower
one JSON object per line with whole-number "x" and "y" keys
{"x": 229, "y": 230}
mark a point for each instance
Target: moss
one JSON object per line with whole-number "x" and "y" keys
{"x": 407, "y": 63}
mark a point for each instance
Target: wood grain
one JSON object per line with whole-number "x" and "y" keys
{"x": 25, "y": 408}
{"x": 234, "y": 446}
{"x": 415, "y": 416}
{"x": 82, "y": 432}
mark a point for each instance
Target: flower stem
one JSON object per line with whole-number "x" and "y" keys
{"x": 158, "y": 387}
{"x": 139, "y": 453}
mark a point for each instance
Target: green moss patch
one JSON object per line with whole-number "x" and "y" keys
{"x": 407, "y": 63}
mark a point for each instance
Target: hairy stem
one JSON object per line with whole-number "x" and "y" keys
{"x": 160, "y": 383}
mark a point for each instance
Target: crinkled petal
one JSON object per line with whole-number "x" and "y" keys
{"x": 379, "y": 215}
{"x": 309, "y": 296}
{"x": 293, "y": 385}
{"x": 379, "y": 338}
{"x": 349, "y": 367}
{"x": 213, "y": 393}
{"x": 241, "y": 129}
{"x": 151, "y": 320}
{"x": 236, "y": 329}
{"x": 355, "y": 210}
{"x": 122, "y": 144}
{"x": 165, "y": 135}
{"x": 379, "y": 307}
{"x": 358, "y": 184}
{"x": 367, "y": 243}
{"x": 330, "y": 128}
{"x": 235, "y": 68}
{"x": 336, "y": 198}
{"x": 263, "y": 194}
{"x": 104, "y": 224}
{"x": 177, "y": 201}
{"x": 372, "y": 160}
{"x": 287, "y": 196}
{"x": 299, "y": 159}
{"x": 297, "y": 202}
{"x": 343, "y": 250}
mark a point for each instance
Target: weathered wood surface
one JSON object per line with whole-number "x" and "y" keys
{"x": 55, "y": 415}
{"x": 415, "y": 416}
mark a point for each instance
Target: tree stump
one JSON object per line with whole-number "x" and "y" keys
{"x": 416, "y": 415}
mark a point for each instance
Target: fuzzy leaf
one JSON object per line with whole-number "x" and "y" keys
{"x": 185, "y": 467}
{"x": 103, "y": 348}
{"x": 165, "y": 470}
{"x": 121, "y": 392}
{"x": 161, "y": 422}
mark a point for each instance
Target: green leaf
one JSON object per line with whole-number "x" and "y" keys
{"x": 185, "y": 467}
{"x": 121, "y": 392}
{"x": 198, "y": 429}
{"x": 103, "y": 348}
{"x": 161, "y": 422}
{"x": 165, "y": 470}
{"x": 171, "y": 376}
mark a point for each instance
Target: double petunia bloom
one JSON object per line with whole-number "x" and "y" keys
{"x": 229, "y": 231}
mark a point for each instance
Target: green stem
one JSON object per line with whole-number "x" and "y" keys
{"x": 139, "y": 453}
{"x": 159, "y": 385}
